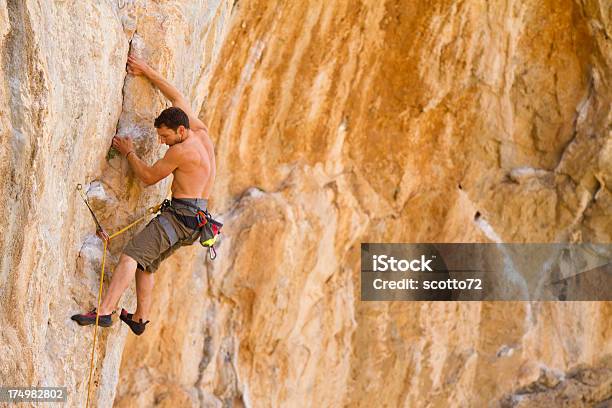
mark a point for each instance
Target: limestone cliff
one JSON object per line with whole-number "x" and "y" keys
{"x": 334, "y": 123}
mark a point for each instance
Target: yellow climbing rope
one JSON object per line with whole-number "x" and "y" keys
{"x": 151, "y": 210}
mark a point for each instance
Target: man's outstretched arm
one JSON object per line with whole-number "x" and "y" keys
{"x": 137, "y": 66}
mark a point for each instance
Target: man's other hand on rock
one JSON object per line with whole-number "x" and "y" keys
{"x": 123, "y": 144}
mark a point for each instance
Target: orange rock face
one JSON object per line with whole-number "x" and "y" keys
{"x": 334, "y": 123}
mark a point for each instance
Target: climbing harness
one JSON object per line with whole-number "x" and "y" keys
{"x": 203, "y": 221}
{"x": 151, "y": 210}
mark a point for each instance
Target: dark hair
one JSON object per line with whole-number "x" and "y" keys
{"x": 172, "y": 118}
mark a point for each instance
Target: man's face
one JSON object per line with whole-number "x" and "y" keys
{"x": 169, "y": 136}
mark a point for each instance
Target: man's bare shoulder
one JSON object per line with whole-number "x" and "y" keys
{"x": 175, "y": 149}
{"x": 202, "y": 135}
{"x": 201, "y": 132}
{"x": 176, "y": 153}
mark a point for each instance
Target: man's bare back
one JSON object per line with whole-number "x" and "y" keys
{"x": 195, "y": 174}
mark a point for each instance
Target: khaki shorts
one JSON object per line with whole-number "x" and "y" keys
{"x": 151, "y": 245}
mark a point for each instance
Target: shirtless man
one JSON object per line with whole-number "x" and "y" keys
{"x": 191, "y": 159}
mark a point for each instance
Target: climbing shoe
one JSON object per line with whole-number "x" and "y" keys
{"x": 86, "y": 319}
{"x": 137, "y": 327}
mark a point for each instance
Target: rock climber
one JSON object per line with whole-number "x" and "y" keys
{"x": 191, "y": 159}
